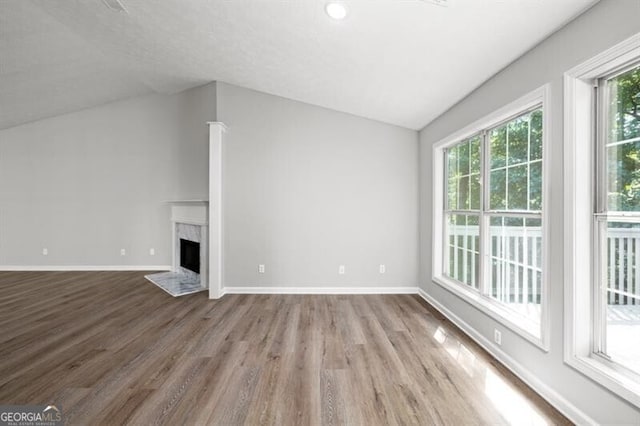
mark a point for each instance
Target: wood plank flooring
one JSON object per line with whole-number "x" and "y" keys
{"x": 111, "y": 348}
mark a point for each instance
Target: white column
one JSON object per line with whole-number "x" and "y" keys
{"x": 216, "y": 273}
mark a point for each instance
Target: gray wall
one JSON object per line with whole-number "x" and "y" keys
{"x": 307, "y": 189}
{"x": 89, "y": 183}
{"x": 609, "y": 22}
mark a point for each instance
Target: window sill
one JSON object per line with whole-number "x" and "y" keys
{"x": 616, "y": 381}
{"x": 524, "y": 327}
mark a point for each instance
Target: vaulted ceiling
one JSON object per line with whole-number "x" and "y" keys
{"x": 397, "y": 61}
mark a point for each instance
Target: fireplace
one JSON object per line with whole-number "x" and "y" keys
{"x": 190, "y": 267}
{"x": 190, "y": 255}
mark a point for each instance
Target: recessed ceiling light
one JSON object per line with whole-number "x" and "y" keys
{"x": 336, "y": 10}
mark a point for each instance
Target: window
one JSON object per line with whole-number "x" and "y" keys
{"x": 602, "y": 221}
{"x": 463, "y": 213}
{"x": 617, "y": 219}
{"x": 490, "y": 177}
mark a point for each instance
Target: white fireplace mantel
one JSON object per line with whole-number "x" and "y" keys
{"x": 195, "y": 212}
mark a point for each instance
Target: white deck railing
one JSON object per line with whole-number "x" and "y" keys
{"x": 516, "y": 263}
{"x": 624, "y": 266}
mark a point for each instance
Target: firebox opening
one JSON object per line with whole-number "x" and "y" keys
{"x": 190, "y": 255}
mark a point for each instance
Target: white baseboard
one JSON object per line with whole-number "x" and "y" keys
{"x": 18, "y": 268}
{"x": 320, "y": 290}
{"x": 572, "y": 412}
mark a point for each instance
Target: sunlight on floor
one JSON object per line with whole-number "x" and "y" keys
{"x": 510, "y": 403}
{"x": 506, "y": 399}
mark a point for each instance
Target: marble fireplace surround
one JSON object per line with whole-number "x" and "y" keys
{"x": 189, "y": 221}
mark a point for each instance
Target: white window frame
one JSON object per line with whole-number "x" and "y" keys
{"x": 486, "y": 304}
{"x": 579, "y": 200}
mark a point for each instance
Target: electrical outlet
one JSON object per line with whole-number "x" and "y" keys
{"x": 261, "y": 269}
{"x": 45, "y": 251}
{"x": 123, "y": 252}
{"x": 497, "y": 336}
{"x": 341, "y": 270}
{"x": 152, "y": 252}
{"x": 383, "y": 269}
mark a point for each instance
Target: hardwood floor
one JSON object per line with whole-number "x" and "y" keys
{"x": 110, "y": 347}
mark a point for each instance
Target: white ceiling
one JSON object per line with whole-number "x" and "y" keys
{"x": 397, "y": 61}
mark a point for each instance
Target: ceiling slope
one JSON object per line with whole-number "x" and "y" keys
{"x": 400, "y": 62}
